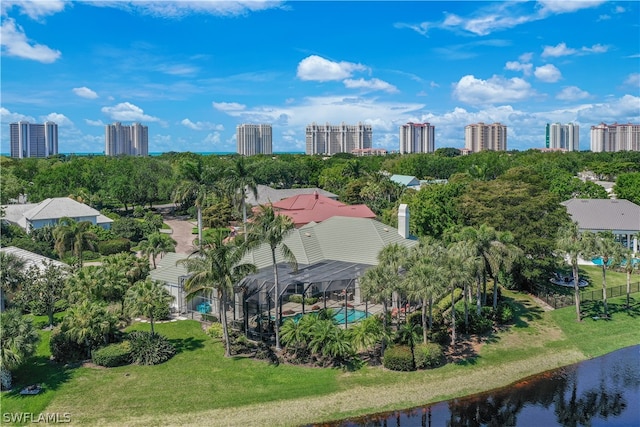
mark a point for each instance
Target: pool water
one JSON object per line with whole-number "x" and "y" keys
{"x": 353, "y": 315}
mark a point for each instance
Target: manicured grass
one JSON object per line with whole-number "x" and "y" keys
{"x": 200, "y": 385}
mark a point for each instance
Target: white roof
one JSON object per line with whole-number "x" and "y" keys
{"x": 60, "y": 207}
{"x": 31, "y": 258}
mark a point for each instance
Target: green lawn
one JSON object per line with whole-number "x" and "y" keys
{"x": 199, "y": 384}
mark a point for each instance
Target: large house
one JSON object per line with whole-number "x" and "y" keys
{"x": 306, "y": 208}
{"x": 49, "y": 212}
{"x": 619, "y": 216}
{"x": 331, "y": 256}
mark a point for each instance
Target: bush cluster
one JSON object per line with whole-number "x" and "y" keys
{"x": 150, "y": 349}
{"x": 297, "y": 298}
{"x": 114, "y": 246}
{"x": 215, "y": 331}
{"x": 505, "y": 313}
{"x": 63, "y": 349}
{"x": 162, "y": 312}
{"x": 428, "y": 355}
{"x": 398, "y": 358}
{"x": 113, "y": 355}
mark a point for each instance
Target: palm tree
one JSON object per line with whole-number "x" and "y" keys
{"x": 424, "y": 280}
{"x": 18, "y": 342}
{"x": 501, "y": 258}
{"x": 195, "y": 186}
{"x": 394, "y": 257}
{"x": 271, "y": 229}
{"x": 217, "y": 267}
{"x": 458, "y": 269}
{"x": 157, "y": 244}
{"x": 374, "y": 286}
{"x": 629, "y": 264}
{"x": 11, "y": 274}
{"x": 571, "y": 245}
{"x": 72, "y": 235}
{"x": 239, "y": 181}
{"x": 367, "y": 333}
{"x": 145, "y": 297}
{"x": 89, "y": 324}
{"x": 85, "y": 284}
{"x": 604, "y": 246}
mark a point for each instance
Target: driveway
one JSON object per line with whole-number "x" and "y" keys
{"x": 181, "y": 233}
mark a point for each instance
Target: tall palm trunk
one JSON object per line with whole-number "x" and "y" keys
{"x": 222, "y": 304}
{"x": 465, "y": 293}
{"x": 244, "y": 215}
{"x": 424, "y": 321}
{"x": 576, "y": 290}
{"x": 277, "y": 297}
{"x": 453, "y": 316}
{"x": 628, "y": 286}
{"x": 479, "y": 296}
{"x": 495, "y": 292}
{"x": 604, "y": 284}
{"x": 384, "y": 324}
{"x": 200, "y": 226}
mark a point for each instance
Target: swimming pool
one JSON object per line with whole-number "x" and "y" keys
{"x": 353, "y": 315}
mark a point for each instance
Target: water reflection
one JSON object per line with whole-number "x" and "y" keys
{"x": 600, "y": 392}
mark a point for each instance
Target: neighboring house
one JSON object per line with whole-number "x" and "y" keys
{"x": 306, "y": 208}
{"x": 619, "y": 216}
{"x": 30, "y": 259}
{"x": 406, "y": 181}
{"x": 267, "y": 194}
{"x": 50, "y": 211}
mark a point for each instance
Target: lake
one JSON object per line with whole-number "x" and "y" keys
{"x": 603, "y": 391}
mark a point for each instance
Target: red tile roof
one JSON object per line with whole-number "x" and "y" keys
{"x": 306, "y": 208}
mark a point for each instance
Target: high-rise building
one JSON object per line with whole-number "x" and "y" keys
{"x": 126, "y": 140}
{"x": 563, "y": 137}
{"x": 615, "y": 137}
{"x": 33, "y": 140}
{"x": 478, "y": 137}
{"x": 343, "y": 138}
{"x": 417, "y": 138}
{"x": 253, "y": 139}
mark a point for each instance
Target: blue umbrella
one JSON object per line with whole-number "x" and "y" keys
{"x": 634, "y": 261}
{"x": 204, "y": 307}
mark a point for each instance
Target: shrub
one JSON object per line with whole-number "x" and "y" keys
{"x": 209, "y": 318}
{"x": 428, "y": 355}
{"x": 445, "y": 303}
{"x": 239, "y": 344}
{"x": 478, "y": 324}
{"x": 215, "y": 331}
{"x": 113, "y": 355}
{"x": 150, "y": 349}
{"x": 398, "y": 358}
{"x": 162, "y": 312}
{"x": 114, "y": 246}
{"x": 439, "y": 335}
{"x": 63, "y": 349}
{"x": 90, "y": 255}
{"x": 506, "y": 313}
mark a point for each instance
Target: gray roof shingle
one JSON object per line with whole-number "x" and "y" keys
{"x": 604, "y": 214}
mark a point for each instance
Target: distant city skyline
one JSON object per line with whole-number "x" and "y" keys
{"x": 194, "y": 71}
{"x": 37, "y": 140}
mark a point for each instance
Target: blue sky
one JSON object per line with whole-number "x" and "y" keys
{"x": 193, "y": 71}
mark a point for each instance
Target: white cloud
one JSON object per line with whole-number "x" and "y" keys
{"x": 212, "y": 138}
{"x": 179, "y": 9}
{"x": 572, "y": 93}
{"x": 15, "y": 43}
{"x": 127, "y": 112}
{"x": 495, "y": 90}
{"x": 548, "y": 73}
{"x": 373, "y": 84}
{"x": 201, "y": 125}
{"x": 564, "y": 6}
{"x": 85, "y": 92}
{"x": 179, "y": 70}
{"x": 59, "y": 119}
{"x": 7, "y": 116}
{"x": 94, "y": 122}
{"x": 633, "y": 80}
{"x": 228, "y": 106}
{"x": 519, "y": 66}
{"x": 316, "y": 68}
{"x": 561, "y": 49}
{"x": 35, "y": 9}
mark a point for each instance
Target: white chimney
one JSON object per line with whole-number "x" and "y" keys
{"x": 403, "y": 221}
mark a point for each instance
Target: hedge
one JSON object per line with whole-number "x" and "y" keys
{"x": 428, "y": 355}
{"x": 398, "y": 358}
{"x": 114, "y": 246}
{"x": 113, "y": 355}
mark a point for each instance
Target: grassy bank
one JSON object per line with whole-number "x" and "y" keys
{"x": 201, "y": 387}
